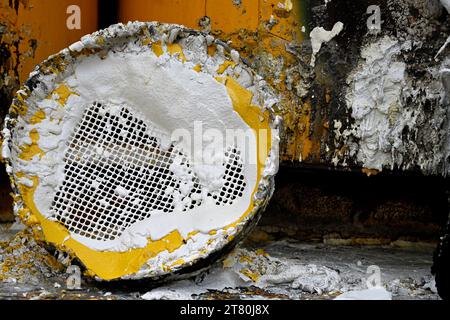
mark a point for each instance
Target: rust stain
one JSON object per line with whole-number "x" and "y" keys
{"x": 157, "y": 49}
{"x": 370, "y": 172}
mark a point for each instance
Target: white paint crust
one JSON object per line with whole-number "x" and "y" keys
{"x": 375, "y": 99}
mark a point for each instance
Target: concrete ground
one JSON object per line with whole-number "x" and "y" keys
{"x": 283, "y": 269}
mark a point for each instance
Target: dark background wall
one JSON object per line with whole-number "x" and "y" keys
{"x": 313, "y": 203}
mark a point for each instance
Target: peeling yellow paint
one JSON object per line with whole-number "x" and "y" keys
{"x": 224, "y": 66}
{"x": 251, "y": 275}
{"x": 261, "y": 252}
{"x": 19, "y": 109}
{"x": 30, "y": 151}
{"x": 19, "y": 106}
{"x": 63, "y": 92}
{"x": 177, "y": 263}
{"x": 176, "y": 49}
{"x": 38, "y": 117}
{"x": 245, "y": 259}
{"x": 198, "y": 68}
{"x": 100, "y": 41}
{"x": 157, "y": 49}
{"x": 146, "y": 41}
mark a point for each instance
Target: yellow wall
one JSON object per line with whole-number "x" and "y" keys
{"x": 228, "y": 17}
{"x": 225, "y": 15}
{"x": 43, "y": 21}
{"x": 171, "y": 11}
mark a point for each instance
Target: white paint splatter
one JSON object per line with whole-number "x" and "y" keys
{"x": 446, "y": 4}
{"x": 374, "y": 97}
{"x": 320, "y": 36}
{"x": 369, "y": 294}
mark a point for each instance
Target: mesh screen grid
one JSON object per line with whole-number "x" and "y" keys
{"x": 116, "y": 174}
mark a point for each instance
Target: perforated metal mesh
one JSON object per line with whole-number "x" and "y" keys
{"x": 116, "y": 174}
